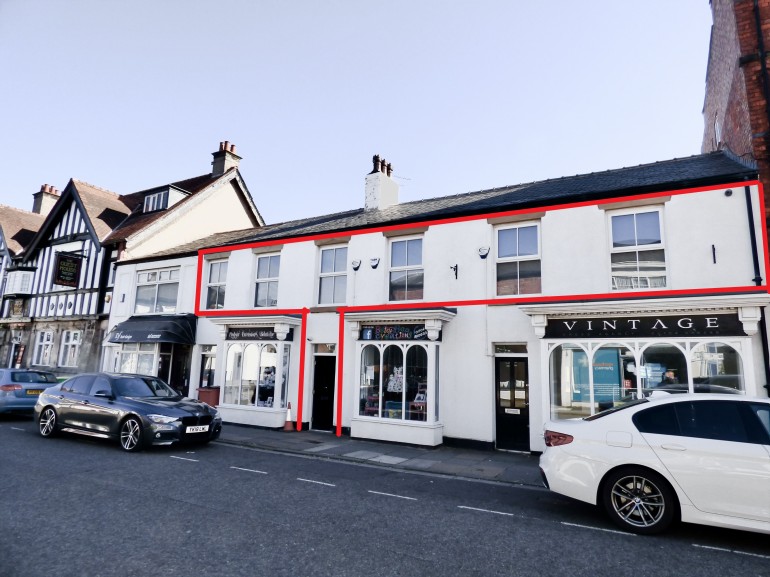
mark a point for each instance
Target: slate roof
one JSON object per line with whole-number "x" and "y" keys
{"x": 139, "y": 219}
{"x": 680, "y": 173}
{"x": 18, "y": 227}
{"x": 105, "y": 209}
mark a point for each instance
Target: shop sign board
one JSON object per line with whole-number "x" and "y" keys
{"x": 67, "y": 269}
{"x": 395, "y": 333}
{"x": 255, "y": 334}
{"x": 645, "y": 326}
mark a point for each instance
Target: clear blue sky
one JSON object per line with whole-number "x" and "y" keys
{"x": 458, "y": 95}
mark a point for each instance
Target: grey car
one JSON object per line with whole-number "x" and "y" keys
{"x": 136, "y": 410}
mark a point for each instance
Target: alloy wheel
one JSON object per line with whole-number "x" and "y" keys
{"x": 47, "y": 422}
{"x": 130, "y": 435}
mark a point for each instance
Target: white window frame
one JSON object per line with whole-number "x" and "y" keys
{"x": 640, "y": 281}
{"x": 155, "y": 277}
{"x": 267, "y": 280}
{"x": 156, "y": 201}
{"x": 405, "y": 268}
{"x": 518, "y": 258}
{"x": 217, "y": 284}
{"x": 43, "y": 348}
{"x": 335, "y": 276}
{"x": 69, "y": 351}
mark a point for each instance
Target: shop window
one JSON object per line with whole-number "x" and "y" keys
{"x": 208, "y": 365}
{"x": 284, "y": 378}
{"x": 637, "y": 254}
{"x": 138, "y": 358}
{"x": 398, "y": 388}
{"x": 333, "y": 278}
{"x": 70, "y": 349}
{"x": 250, "y": 375}
{"x": 43, "y": 346}
{"x": 614, "y": 376}
{"x": 518, "y": 261}
{"x": 663, "y": 366}
{"x": 266, "y": 293}
{"x": 407, "y": 276}
{"x": 215, "y": 289}
{"x": 715, "y": 368}
{"x": 156, "y": 291}
{"x": 570, "y": 382}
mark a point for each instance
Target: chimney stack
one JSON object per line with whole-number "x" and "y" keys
{"x": 44, "y": 200}
{"x": 224, "y": 159}
{"x": 380, "y": 190}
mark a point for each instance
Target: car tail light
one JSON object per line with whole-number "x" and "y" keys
{"x": 10, "y": 388}
{"x": 555, "y": 439}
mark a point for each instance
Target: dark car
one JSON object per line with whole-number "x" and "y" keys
{"x": 136, "y": 410}
{"x": 20, "y": 388}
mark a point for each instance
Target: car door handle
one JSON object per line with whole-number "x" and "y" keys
{"x": 669, "y": 447}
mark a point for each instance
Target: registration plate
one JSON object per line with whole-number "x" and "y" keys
{"x": 198, "y": 429}
{"x": 34, "y": 391}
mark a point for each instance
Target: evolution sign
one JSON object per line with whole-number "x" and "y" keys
{"x": 652, "y": 326}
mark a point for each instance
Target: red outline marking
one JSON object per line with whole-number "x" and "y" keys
{"x": 340, "y": 365}
{"x": 302, "y": 353}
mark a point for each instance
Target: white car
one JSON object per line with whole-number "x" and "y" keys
{"x": 698, "y": 458}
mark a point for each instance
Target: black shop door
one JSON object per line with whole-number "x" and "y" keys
{"x": 512, "y": 404}
{"x": 323, "y": 393}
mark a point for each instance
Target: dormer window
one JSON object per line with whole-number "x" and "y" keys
{"x": 157, "y": 201}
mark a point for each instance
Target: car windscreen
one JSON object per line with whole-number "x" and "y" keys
{"x": 615, "y": 409}
{"x": 33, "y": 377}
{"x": 143, "y": 387}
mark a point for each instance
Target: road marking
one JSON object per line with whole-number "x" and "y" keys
{"x": 316, "y": 482}
{"x": 17, "y": 429}
{"x": 723, "y": 550}
{"x": 392, "y": 495}
{"x": 249, "y": 470}
{"x": 184, "y": 459}
{"x": 598, "y": 529}
{"x": 487, "y": 511}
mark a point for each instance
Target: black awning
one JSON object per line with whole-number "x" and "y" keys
{"x": 155, "y": 329}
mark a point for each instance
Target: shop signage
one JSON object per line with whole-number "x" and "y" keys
{"x": 255, "y": 334}
{"x": 648, "y": 326}
{"x": 395, "y": 333}
{"x": 67, "y": 269}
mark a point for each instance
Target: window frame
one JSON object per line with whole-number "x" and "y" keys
{"x": 334, "y": 274}
{"x": 174, "y": 278}
{"x": 219, "y": 286}
{"x": 70, "y": 341}
{"x": 156, "y": 201}
{"x": 518, "y": 258}
{"x": 406, "y": 268}
{"x": 636, "y": 249}
{"x": 267, "y": 280}
{"x": 43, "y": 348}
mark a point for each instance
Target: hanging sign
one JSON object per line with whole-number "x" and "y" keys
{"x": 67, "y": 269}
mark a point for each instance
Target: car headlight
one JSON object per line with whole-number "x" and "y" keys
{"x": 161, "y": 419}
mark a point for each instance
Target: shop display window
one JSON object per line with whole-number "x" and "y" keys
{"x": 714, "y": 366}
{"x": 570, "y": 384}
{"x": 663, "y": 365}
{"x": 396, "y": 388}
{"x": 138, "y": 358}
{"x": 251, "y": 373}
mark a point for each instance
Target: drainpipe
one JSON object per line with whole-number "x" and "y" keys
{"x": 758, "y": 281}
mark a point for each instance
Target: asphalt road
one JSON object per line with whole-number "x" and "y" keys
{"x": 72, "y": 506}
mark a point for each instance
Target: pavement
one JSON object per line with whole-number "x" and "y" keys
{"x": 478, "y": 464}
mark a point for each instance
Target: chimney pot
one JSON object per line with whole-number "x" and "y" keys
{"x": 390, "y": 169}
{"x": 383, "y": 164}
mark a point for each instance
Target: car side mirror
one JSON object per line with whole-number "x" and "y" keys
{"x": 104, "y": 394}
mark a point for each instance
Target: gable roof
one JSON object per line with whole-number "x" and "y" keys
{"x": 676, "y": 174}
{"x": 18, "y": 228}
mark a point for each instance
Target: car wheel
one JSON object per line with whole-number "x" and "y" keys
{"x": 131, "y": 435}
{"x": 47, "y": 422}
{"x": 639, "y": 500}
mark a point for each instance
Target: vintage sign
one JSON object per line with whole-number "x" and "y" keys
{"x": 645, "y": 326}
{"x": 67, "y": 269}
{"x": 255, "y": 334}
{"x": 395, "y": 333}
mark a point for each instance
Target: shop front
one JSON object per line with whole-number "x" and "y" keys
{"x": 257, "y": 365}
{"x": 397, "y": 389}
{"x": 592, "y": 361}
{"x": 158, "y": 345}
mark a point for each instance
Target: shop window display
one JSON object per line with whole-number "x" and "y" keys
{"x": 251, "y": 374}
{"x": 663, "y": 365}
{"x": 714, "y": 366}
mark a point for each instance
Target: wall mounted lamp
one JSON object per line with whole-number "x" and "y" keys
{"x": 375, "y": 262}
{"x": 484, "y": 252}
{"x": 454, "y": 268}
{"x": 356, "y": 264}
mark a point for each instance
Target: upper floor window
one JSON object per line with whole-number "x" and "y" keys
{"x": 157, "y": 201}
{"x": 70, "y": 349}
{"x": 19, "y": 282}
{"x": 637, "y": 256}
{"x": 43, "y": 346}
{"x": 156, "y": 291}
{"x": 215, "y": 291}
{"x": 266, "y": 293}
{"x": 518, "y": 260}
{"x": 407, "y": 276}
{"x": 333, "y": 278}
